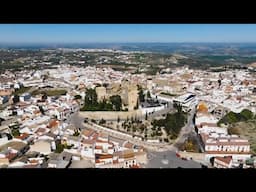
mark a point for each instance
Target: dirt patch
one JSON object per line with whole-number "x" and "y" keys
{"x": 246, "y": 130}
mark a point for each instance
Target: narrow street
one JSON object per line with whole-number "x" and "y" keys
{"x": 186, "y": 130}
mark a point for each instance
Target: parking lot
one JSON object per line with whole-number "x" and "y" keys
{"x": 168, "y": 159}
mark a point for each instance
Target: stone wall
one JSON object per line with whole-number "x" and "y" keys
{"x": 110, "y": 115}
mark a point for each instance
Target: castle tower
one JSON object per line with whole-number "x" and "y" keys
{"x": 101, "y": 93}
{"x": 132, "y": 97}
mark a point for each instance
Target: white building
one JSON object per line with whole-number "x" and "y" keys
{"x": 217, "y": 145}
{"x": 187, "y": 101}
{"x": 41, "y": 146}
{"x": 223, "y": 162}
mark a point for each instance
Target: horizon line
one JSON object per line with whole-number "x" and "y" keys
{"x": 6, "y": 43}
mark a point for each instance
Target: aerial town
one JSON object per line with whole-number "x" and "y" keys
{"x": 66, "y": 115}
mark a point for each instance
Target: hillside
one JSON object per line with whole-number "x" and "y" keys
{"x": 246, "y": 130}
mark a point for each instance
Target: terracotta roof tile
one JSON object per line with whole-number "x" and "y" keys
{"x": 226, "y": 159}
{"x": 33, "y": 161}
{"x": 103, "y": 156}
{"x": 88, "y": 141}
{"x": 115, "y": 161}
{"x": 128, "y": 145}
{"x": 23, "y": 136}
{"x": 42, "y": 130}
{"x": 97, "y": 161}
{"x": 87, "y": 132}
{"x": 135, "y": 166}
{"x": 98, "y": 147}
{"x": 53, "y": 123}
{"x": 11, "y": 156}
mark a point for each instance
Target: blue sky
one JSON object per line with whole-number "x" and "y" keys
{"x": 83, "y": 33}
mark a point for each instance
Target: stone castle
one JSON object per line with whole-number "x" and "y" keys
{"x": 127, "y": 91}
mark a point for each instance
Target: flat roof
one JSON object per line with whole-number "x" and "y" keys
{"x": 17, "y": 145}
{"x": 81, "y": 164}
{"x": 59, "y": 163}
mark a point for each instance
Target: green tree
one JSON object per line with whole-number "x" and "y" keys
{"x": 90, "y": 100}
{"x": 59, "y": 148}
{"x": 137, "y": 105}
{"x": 76, "y": 133}
{"x": 178, "y": 107}
{"x": 103, "y": 105}
{"x": 102, "y": 121}
{"x": 44, "y": 96}
{"x": 77, "y": 97}
{"x": 172, "y": 123}
{"x": 41, "y": 110}
{"x": 15, "y": 132}
{"x": 230, "y": 117}
{"x": 148, "y": 95}
{"x": 132, "y": 119}
{"x": 91, "y": 97}
{"x": 116, "y": 102}
{"x": 16, "y": 99}
{"x": 141, "y": 96}
{"x": 105, "y": 85}
{"x": 134, "y": 129}
{"x": 247, "y": 114}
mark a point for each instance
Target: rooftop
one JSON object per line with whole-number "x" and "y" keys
{"x": 103, "y": 156}
{"x": 226, "y": 159}
{"x": 59, "y": 163}
{"x": 17, "y": 145}
{"x": 87, "y": 132}
{"x": 81, "y": 164}
{"x": 23, "y": 136}
{"x": 128, "y": 145}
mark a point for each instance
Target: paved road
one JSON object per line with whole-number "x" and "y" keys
{"x": 168, "y": 159}
{"x": 159, "y": 155}
{"x": 156, "y": 158}
{"x": 124, "y": 136}
{"x": 77, "y": 121}
{"x": 186, "y": 130}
